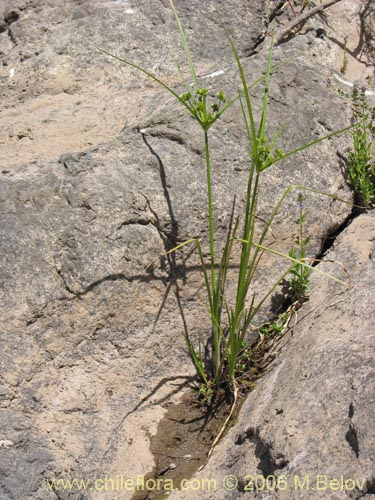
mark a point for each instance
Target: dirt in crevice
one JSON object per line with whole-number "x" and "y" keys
{"x": 181, "y": 444}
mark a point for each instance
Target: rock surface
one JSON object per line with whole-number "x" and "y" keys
{"x": 53, "y": 74}
{"x": 95, "y": 165}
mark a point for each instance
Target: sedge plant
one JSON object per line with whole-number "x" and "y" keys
{"x": 263, "y": 153}
{"x": 231, "y": 322}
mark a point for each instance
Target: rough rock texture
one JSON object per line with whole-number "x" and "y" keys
{"x": 52, "y": 72}
{"x": 95, "y": 166}
{"x": 350, "y": 26}
{"x": 311, "y": 417}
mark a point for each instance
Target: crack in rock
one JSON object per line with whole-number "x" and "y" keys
{"x": 352, "y": 435}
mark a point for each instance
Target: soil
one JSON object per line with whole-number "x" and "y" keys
{"x": 183, "y": 441}
{"x": 181, "y": 444}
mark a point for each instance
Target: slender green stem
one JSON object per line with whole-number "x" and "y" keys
{"x": 215, "y": 329}
{"x": 210, "y": 211}
{"x": 251, "y": 207}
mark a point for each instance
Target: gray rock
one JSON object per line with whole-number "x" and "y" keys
{"x": 25, "y": 459}
{"x": 77, "y": 97}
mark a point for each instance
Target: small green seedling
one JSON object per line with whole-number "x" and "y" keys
{"x": 361, "y": 158}
{"x": 298, "y": 281}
